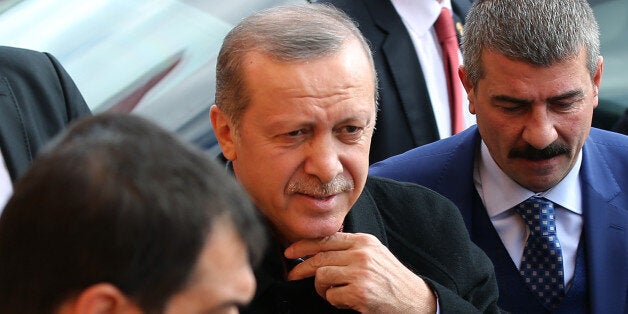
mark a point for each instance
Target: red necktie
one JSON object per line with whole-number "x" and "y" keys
{"x": 447, "y": 37}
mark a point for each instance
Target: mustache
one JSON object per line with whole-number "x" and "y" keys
{"x": 531, "y": 153}
{"x": 314, "y": 187}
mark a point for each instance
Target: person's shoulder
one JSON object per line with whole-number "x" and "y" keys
{"x": 426, "y": 158}
{"x": 19, "y": 62}
{"x": 414, "y": 213}
{"x": 387, "y": 192}
{"x": 375, "y": 183}
{"x": 604, "y": 137}
{"x": 608, "y": 147}
{"x": 14, "y": 54}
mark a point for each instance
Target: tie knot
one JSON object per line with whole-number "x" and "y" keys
{"x": 538, "y": 214}
{"x": 444, "y": 26}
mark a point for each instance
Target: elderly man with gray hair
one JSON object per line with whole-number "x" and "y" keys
{"x": 294, "y": 115}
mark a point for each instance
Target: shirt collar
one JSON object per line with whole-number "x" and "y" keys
{"x": 489, "y": 177}
{"x": 419, "y": 15}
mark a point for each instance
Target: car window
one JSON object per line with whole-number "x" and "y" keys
{"x": 153, "y": 57}
{"x": 611, "y": 16}
{"x": 157, "y": 57}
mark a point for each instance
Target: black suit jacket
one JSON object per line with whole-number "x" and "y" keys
{"x": 421, "y": 228}
{"x": 37, "y": 100}
{"x": 405, "y": 119}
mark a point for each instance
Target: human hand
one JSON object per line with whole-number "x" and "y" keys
{"x": 357, "y": 271}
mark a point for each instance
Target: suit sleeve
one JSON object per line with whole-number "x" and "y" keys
{"x": 40, "y": 99}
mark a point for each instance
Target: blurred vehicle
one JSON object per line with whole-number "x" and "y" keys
{"x": 157, "y": 58}
{"x": 611, "y": 16}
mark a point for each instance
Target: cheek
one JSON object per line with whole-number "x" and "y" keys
{"x": 499, "y": 137}
{"x": 355, "y": 162}
{"x": 574, "y": 131}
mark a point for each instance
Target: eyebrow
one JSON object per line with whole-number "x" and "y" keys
{"x": 567, "y": 95}
{"x": 505, "y": 98}
{"x": 519, "y": 101}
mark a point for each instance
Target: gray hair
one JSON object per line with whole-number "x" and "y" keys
{"x": 540, "y": 32}
{"x": 286, "y": 33}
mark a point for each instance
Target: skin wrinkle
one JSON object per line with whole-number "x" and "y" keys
{"x": 318, "y": 120}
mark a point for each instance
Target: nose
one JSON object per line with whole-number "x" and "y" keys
{"x": 539, "y": 129}
{"x": 247, "y": 284}
{"x": 323, "y": 160}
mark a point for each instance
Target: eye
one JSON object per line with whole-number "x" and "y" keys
{"x": 293, "y": 137}
{"x": 565, "y": 105}
{"x": 295, "y": 133}
{"x": 511, "y": 108}
{"x": 351, "y": 129}
{"x": 350, "y": 133}
{"x": 510, "y": 105}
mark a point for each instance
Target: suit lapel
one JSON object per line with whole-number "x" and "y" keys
{"x": 364, "y": 217}
{"x": 400, "y": 55}
{"x": 14, "y": 140}
{"x": 460, "y": 164}
{"x": 605, "y": 232}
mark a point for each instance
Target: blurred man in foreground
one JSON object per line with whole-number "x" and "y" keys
{"x": 121, "y": 217}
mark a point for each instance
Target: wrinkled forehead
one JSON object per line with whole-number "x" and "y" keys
{"x": 341, "y": 78}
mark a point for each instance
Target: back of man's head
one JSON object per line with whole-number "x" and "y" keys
{"x": 116, "y": 199}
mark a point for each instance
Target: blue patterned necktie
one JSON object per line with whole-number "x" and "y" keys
{"x": 542, "y": 261}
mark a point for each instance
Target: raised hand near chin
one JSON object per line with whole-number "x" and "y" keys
{"x": 358, "y": 272}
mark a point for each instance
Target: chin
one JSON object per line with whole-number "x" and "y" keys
{"x": 321, "y": 231}
{"x": 541, "y": 185}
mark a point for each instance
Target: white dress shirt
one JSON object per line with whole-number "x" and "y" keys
{"x": 419, "y": 18}
{"x": 6, "y": 187}
{"x": 512, "y": 230}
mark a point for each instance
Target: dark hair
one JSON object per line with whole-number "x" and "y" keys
{"x": 538, "y": 32}
{"x": 115, "y": 199}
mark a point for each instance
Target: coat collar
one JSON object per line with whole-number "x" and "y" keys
{"x": 605, "y": 227}
{"x": 364, "y": 217}
{"x": 14, "y": 141}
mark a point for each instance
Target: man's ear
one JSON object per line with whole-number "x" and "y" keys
{"x": 102, "y": 298}
{"x": 223, "y": 129}
{"x": 597, "y": 79}
{"x": 468, "y": 86}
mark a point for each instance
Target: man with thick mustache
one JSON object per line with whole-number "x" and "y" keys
{"x": 532, "y": 72}
{"x": 294, "y": 115}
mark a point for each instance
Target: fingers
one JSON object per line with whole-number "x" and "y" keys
{"x": 310, "y": 266}
{"x": 340, "y": 249}
{"x": 336, "y": 242}
{"x": 339, "y": 296}
{"x": 327, "y": 278}
{"x": 356, "y": 271}
{"x": 339, "y": 288}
